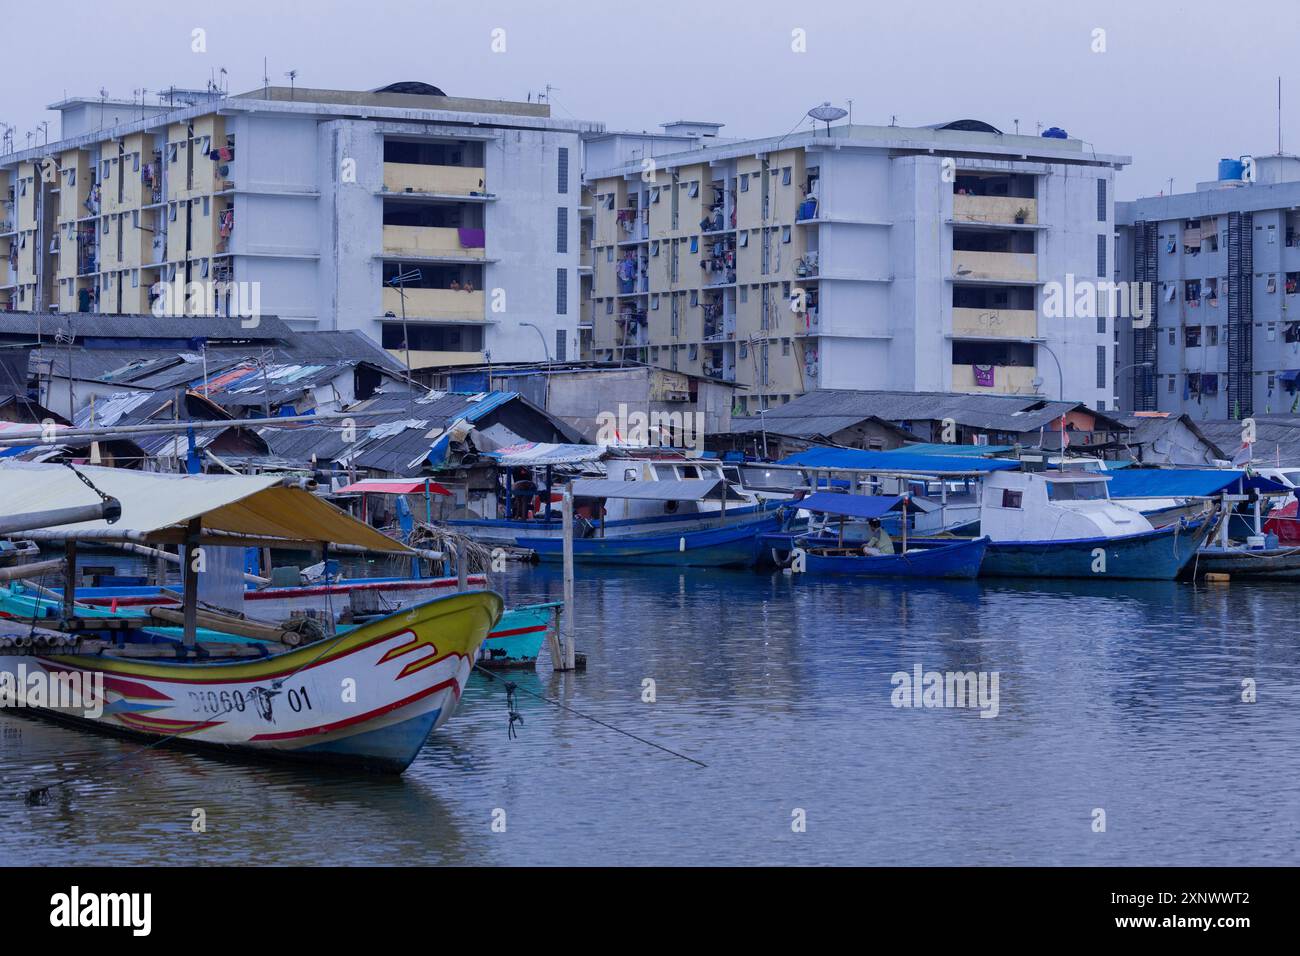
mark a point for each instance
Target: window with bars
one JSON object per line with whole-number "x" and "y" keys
{"x": 561, "y": 346}
{"x": 561, "y": 291}
{"x": 1101, "y": 256}
{"x": 562, "y": 185}
{"x": 1101, "y": 366}
{"x": 1101, "y": 200}
{"x": 561, "y": 229}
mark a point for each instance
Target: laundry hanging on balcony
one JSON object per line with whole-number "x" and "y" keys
{"x": 984, "y": 376}
{"x": 471, "y": 238}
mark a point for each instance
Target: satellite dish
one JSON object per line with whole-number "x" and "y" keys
{"x": 827, "y": 114}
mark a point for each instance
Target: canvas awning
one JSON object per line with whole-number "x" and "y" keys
{"x": 156, "y": 508}
{"x": 1188, "y": 483}
{"x": 685, "y": 489}
{"x": 851, "y": 506}
{"x": 394, "y": 486}
{"x": 899, "y": 461}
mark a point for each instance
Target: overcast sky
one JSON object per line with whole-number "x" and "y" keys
{"x": 1178, "y": 86}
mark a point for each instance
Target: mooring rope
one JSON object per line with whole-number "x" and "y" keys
{"x": 511, "y": 687}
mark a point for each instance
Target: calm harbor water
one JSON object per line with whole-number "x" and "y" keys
{"x": 1119, "y": 696}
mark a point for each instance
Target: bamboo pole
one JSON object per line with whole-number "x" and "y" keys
{"x": 16, "y": 524}
{"x": 23, "y": 570}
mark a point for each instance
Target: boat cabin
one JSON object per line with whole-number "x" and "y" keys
{"x": 1053, "y": 506}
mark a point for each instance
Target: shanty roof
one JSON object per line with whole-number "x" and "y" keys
{"x": 386, "y": 486}
{"x": 84, "y": 325}
{"x": 13, "y": 372}
{"x": 1148, "y": 429}
{"x": 1277, "y": 437}
{"x": 826, "y": 411}
{"x": 546, "y": 453}
{"x": 159, "y": 506}
{"x": 899, "y": 461}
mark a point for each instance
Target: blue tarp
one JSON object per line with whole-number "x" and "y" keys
{"x": 1184, "y": 483}
{"x": 943, "y": 448}
{"x": 854, "y": 506}
{"x": 895, "y": 461}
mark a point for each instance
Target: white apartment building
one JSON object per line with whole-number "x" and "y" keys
{"x": 318, "y": 200}
{"x": 855, "y": 257}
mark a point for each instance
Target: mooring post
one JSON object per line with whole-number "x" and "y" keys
{"x": 69, "y": 578}
{"x": 190, "y": 576}
{"x": 566, "y": 620}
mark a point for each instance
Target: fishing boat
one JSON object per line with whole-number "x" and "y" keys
{"x": 368, "y": 696}
{"x": 1062, "y": 524}
{"x": 733, "y": 542}
{"x": 821, "y": 548}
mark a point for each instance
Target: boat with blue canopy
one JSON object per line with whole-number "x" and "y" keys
{"x": 822, "y": 547}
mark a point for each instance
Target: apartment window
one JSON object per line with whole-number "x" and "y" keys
{"x": 1169, "y": 385}
{"x": 1101, "y": 256}
{"x": 785, "y": 346}
{"x": 561, "y": 346}
{"x": 654, "y": 303}
{"x": 561, "y": 230}
{"x": 744, "y": 239}
{"x": 1192, "y": 336}
{"x": 1101, "y": 324}
{"x": 744, "y": 294}
{"x": 562, "y": 184}
{"x": 207, "y": 208}
{"x": 744, "y": 182}
{"x": 609, "y": 254}
{"x": 1101, "y": 200}
{"x": 785, "y": 233}
{"x": 785, "y": 176}
{"x": 135, "y": 162}
{"x": 693, "y": 189}
{"x": 609, "y": 306}
{"x": 744, "y": 350}
{"x": 695, "y": 297}
{"x": 561, "y": 291}
{"x": 1101, "y": 366}
{"x": 1212, "y": 334}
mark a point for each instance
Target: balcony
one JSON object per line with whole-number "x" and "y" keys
{"x": 999, "y": 210}
{"x": 439, "y": 180}
{"x": 436, "y": 304}
{"x": 1006, "y": 380}
{"x": 436, "y": 359}
{"x": 994, "y": 266}
{"x": 427, "y": 241}
{"x": 995, "y": 323}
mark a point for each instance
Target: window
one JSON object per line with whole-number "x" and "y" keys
{"x": 206, "y": 205}
{"x": 1101, "y": 256}
{"x": 785, "y": 176}
{"x": 562, "y": 184}
{"x": 609, "y": 306}
{"x": 693, "y": 189}
{"x": 561, "y": 291}
{"x": 1101, "y": 366}
{"x": 744, "y": 350}
{"x": 1101, "y": 200}
{"x": 785, "y": 233}
{"x": 1192, "y": 336}
{"x": 1169, "y": 386}
{"x": 561, "y": 230}
{"x": 1212, "y": 334}
{"x": 561, "y": 346}
{"x": 785, "y": 346}
{"x": 1101, "y": 324}
{"x": 654, "y": 303}
{"x": 1011, "y": 499}
{"x": 744, "y": 294}
{"x": 1076, "y": 490}
{"x": 744, "y": 182}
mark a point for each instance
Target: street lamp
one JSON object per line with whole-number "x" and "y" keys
{"x": 1060, "y": 376}
{"x": 546, "y": 351}
{"x": 1124, "y": 368}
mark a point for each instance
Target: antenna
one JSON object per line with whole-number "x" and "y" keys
{"x": 266, "y": 81}
{"x": 1279, "y": 115}
{"x": 292, "y": 75}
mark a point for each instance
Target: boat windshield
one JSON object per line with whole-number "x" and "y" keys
{"x": 1076, "y": 490}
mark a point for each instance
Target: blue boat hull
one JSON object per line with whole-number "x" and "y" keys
{"x": 734, "y": 545}
{"x": 1158, "y": 555}
{"x": 959, "y": 560}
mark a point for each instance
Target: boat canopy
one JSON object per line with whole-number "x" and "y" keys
{"x": 899, "y": 461}
{"x": 1188, "y": 483}
{"x": 852, "y": 506}
{"x": 545, "y": 453}
{"x": 952, "y": 448}
{"x": 157, "y": 508}
{"x": 392, "y": 486}
{"x": 685, "y": 489}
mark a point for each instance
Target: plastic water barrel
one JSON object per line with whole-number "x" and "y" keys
{"x": 1055, "y": 132}
{"x": 1230, "y": 169}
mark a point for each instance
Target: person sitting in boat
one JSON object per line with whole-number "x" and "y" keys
{"x": 879, "y": 541}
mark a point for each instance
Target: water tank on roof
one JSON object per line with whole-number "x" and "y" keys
{"x": 1055, "y": 132}
{"x": 1231, "y": 169}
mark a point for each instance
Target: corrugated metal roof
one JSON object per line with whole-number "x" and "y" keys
{"x": 96, "y": 325}
{"x": 1004, "y": 413}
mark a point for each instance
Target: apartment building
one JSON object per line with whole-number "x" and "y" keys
{"x": 856, "y": 257}
{"x": 439, "y": 226}
{"x": 1221, "y": 339}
